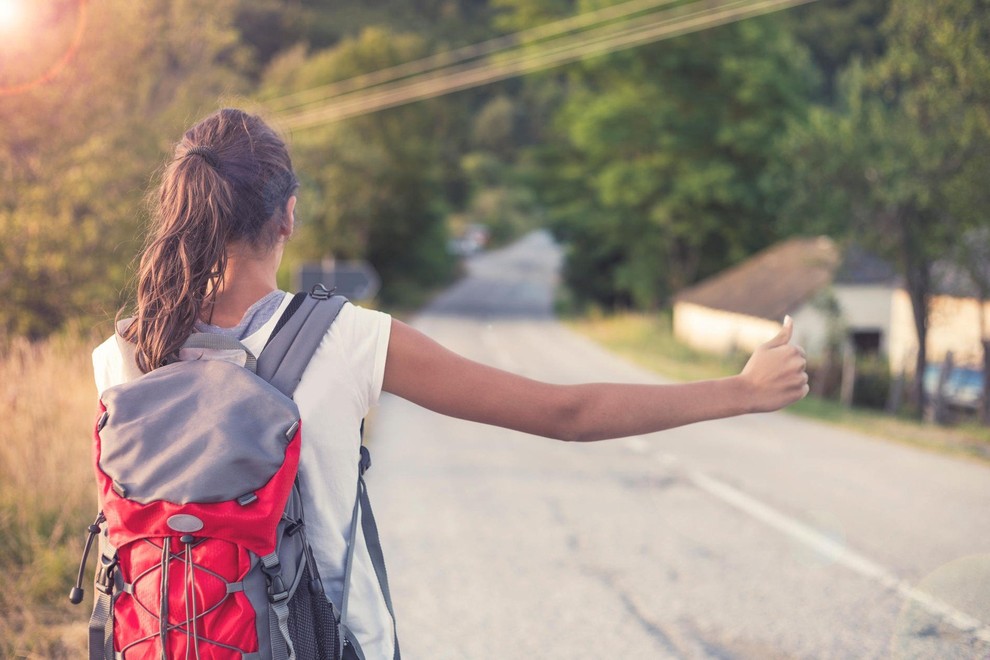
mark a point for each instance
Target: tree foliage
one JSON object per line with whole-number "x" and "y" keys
{"x": 656, "y": 166}
{"x": 895, "y": 165}
{"x": 77, "y": 152}
{"x": 653, "y": 181}
{"x": 372, "y": 184}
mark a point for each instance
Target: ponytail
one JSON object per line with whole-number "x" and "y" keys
{"x": 230, "y": 180}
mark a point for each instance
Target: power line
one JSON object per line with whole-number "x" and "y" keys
{"x": 465, "y": 53}
{"x": 661, "y": 25}
{"x": 473, "y": 74}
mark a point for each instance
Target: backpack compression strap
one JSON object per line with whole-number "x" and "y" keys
{"x": 362, "y": 510}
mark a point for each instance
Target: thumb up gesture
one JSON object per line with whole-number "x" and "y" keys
{"x": 775, "y": 373}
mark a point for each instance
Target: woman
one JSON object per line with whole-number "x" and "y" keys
{"x": 224, "y": 211}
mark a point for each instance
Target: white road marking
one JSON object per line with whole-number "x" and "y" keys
{"x": 839, "y": 553}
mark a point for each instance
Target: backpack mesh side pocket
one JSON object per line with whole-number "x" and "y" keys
{"x": 313, "y": 622}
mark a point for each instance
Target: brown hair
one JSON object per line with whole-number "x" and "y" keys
{"x": 229, "y": 179}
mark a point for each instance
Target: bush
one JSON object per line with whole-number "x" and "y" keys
{"x": 872, "y": 386}
{"x": 873, "y": 381}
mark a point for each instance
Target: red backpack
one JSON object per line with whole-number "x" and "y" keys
{"x": 203, "y": 549}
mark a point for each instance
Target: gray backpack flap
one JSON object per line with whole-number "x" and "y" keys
{"x": 203, "y": 548}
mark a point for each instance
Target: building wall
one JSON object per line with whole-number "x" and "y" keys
{"x": 810, "y": 330}
{"x": 721, "y": 332}
{"x": 864, "y": 308}
{"x": 954, "y": 324}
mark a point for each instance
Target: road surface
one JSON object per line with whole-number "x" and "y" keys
{"x": 761, "y": 537}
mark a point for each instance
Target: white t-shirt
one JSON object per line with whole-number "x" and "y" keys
{"x": 342, "y": 382}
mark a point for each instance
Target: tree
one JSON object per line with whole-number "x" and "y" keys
{"x": 894, "y": 166}
{"x": 372, "y": 185}
{"x": 836, "y": 32}
{"x": 77, "y": 152}
{"x": 654, "y": 184}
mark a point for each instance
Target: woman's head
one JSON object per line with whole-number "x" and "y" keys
{"x": 229, "y": 182}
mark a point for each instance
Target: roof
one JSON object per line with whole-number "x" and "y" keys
{"x": 860, "y": 266}
{"x": 951, "y": 279}
{"x": 771, "y": 283}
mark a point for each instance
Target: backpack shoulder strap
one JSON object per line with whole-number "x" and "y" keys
{"x": 284, "y": 359}
{"x": 297, "y": 335}
{"x": 290, "y": 309}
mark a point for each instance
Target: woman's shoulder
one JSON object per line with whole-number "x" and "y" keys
{"x": 113, "y": 360}
{"x": 357, "y": 341}
{"x": 359, "y": 324}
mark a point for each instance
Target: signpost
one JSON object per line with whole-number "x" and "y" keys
{"x": 356, "y": 280}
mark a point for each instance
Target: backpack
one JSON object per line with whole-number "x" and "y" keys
{"x": 202, "y": 538}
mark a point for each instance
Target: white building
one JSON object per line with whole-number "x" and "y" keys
{"x": 850, "y": 295}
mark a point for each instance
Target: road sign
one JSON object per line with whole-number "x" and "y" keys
{"x": 356, "y": 280}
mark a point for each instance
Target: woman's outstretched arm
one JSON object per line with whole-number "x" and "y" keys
{"x": 422, "y": 371}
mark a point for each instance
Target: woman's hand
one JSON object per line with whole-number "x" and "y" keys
{"x": 775, "y": 374}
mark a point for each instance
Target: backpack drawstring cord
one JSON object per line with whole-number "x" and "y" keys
{"x": 76, "y": 595}
{"x": 189, "y": 593}
{"x": 163, "y": 605}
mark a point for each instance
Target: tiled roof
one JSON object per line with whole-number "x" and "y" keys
{"x": 860, "y": 266}
{"x": 771, "y": 283}
{"x": 951, "y": 279}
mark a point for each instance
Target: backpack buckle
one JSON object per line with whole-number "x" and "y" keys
{"x": 365, "y": 462}
{"x": 104, "y": 574}
{"x": 276, "y": 588}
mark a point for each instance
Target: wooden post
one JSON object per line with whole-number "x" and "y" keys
{"x": 985, "y": 397}
{"x": 896, "y": 395}
{"x": 941, "y": 409}
{"x": 847, "y": 389}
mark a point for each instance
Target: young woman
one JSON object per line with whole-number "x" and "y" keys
{"x": 224, "y": 211}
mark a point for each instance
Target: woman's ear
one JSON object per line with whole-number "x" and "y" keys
{"x": 289, "y": 221}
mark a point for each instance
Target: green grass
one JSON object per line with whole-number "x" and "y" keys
{"x": 970, "y": 440}
{"x": 647, "y": 340}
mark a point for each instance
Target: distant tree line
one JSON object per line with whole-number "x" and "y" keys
{"x": 656, "y": 166}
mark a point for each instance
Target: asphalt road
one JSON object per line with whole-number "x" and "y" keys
{"x": 761, "y": 537}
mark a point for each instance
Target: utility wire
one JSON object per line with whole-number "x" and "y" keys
{"x": 465, "y": 53}
{"x": 462, "y": 76}
{"x": 661, "y": 25}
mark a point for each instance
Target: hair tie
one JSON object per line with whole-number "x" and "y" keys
{"x": 208, "y": 154}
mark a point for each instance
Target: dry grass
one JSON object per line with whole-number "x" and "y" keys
{"x": 47, "y": 492}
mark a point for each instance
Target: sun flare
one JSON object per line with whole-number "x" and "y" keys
{"x": 11, "y": 14}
